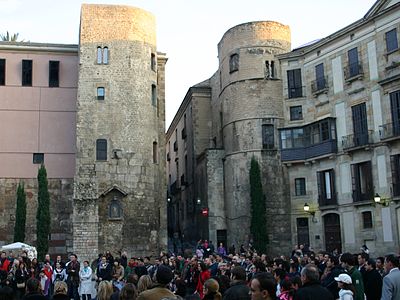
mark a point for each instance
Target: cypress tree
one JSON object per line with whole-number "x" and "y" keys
{"x": 43, "y": 215}
{"x": 258, "y": 209}
{"x": 20, "y": 214}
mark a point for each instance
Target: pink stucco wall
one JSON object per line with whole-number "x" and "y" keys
{"x": 38, "y": 119}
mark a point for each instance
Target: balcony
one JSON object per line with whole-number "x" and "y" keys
{"x": 389, "y": 131}
{"x": 356, "y": 141}
{"x": 303, "y": 153}
{"x": 319, "y": 86}
{"x": 359, "y": 196}
{"x": 324, "y": 201}
{"x": 295, "y": 92}
{"x": 176, "y": 146}
{"x": 353, "y": 71}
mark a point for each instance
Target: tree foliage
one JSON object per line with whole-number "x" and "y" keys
{"x": 43, "y": 214}
{"x": 258, "y": 208}
{"x": 20, "y": 214}
{"x": 10, "y": 37}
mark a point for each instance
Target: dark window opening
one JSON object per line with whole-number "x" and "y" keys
{"x": 234, "y": 63}
{"x": 326, "y": 187}
{"x": 101, "y": 149}
{"x": 362, "y": 184}
{"x": 268, "y": 136}
{"x": 320, "y": 77}
{"x": 54, "y": 71}
{"x": 100, "y": 93}
{"x": 303, "y": 234}
{"x": 26, "y": 72}
{"x": 38, "y": 158}
{"x": 296, "y": 113}
{"x": 360, "y": 124}
{"x": 2, "y": 71}
{"x": 300, "y": 186}
{"x": 155, "y": 153}
{"x": 115, "y": 209}
{"x": 153, "y": 62}
{"x": 294, "y": 83}
{"x": 391, "y": 40}
{"x": 153, "y": 95}
{"x": 353, "y": 66}
{"x": 367, "y": 219}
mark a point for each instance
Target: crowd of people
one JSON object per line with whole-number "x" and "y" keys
{"x": 206, "y": 273}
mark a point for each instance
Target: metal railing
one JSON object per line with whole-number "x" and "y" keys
{"x": 353, "y": 70}
{"x": 389, "y": 130}
{"x": 319, "y": 85}
{"x": 295, "y": 92}
{"x": 357, "y": 140}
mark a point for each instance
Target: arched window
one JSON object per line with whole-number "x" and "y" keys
{"x": 101, "y": 149}
{"x": 105, "y": 55}
{"x": 99, "y": 55}
{"x": 115, "y": 209}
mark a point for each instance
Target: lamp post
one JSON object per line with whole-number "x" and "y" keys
{"x": 306, "y": 209}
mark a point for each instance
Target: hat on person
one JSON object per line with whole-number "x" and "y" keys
{"x": 344, "y": 278}
{"x": 164, "y": 274}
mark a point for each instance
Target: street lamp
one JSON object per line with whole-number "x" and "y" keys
{"x": 378, "y": 200}
{"x": 306, "y": 209}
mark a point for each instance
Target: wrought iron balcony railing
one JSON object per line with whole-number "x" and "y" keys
{"x": 389, "y": 130}
{"x": 353, "y": 70}
{"x": 319, "y": 85}
{"x": 357, "y": 140}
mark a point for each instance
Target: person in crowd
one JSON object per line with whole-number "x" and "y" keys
{"x": 211, "y": 290}
{"x": 34, "y": 268}
{"x": 85, "y": 278}
{"x": 60, "y": 261}
{"x": 203, "y": 276}
{"x": 118, "y": 271}
{"x": 263, "y": 287}
{"x": 48, "y": 271}
{"x": 362, "y": 260}
{"x": 163, "y": 277}
{"x": 331, "y": 271}
{"x": 391, "y": 282}
{"x": 144, "y": 284}
{"x": 110, "y": 257}
{"x": 347, "y": 261}
{"x": 61, "y": 291}
{"x": 73, "y": 269}
{"x": 287, "y": 292}
{"x": 130, "y": 268}
{"x": 296, "y": 283}
{"x": 104, "y": 270}
{"x": 104, "y": 290}
{"x": 238, "y": 289}
{"x": 347, "y": 290}
{"x": 21, "y": 276}
{"x": 140, "y": 268}
{"x": 372, "y": 281}
{"x": 128, "y": 292}
{"x": 380, "y": 261}
{"x": 59, "y": 273}
{"x": 4, "y": 262}
{"x": 44, "y": 283}
{"x": 311, "y": 288}
{"x": 279, "y": 275}
{"x": 7, "y": 293}
{"x": 33, "y": 290}
{"x": 221, "y": 250}
{"x": 124, "y": 259}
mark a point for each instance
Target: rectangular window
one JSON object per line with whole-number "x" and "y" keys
{"x": 153, "y": 95}
{"x": 326, "y": 187}
{"x": 26, "y": 72}
{"x": 54, "y": 70}
{"x": 155, "y": 153}
{"x": 395, "y": 112}
{"x": 391, "y": 40}
{"x": 361, "y": 179}
{"x": 99, "y": 55}
{"x": 320, "y": 77}
{"x": 153, "y": 62}
{"x": 367, "y": 219}
{"x": 105, "y": 55}
{"x": 395, "y": 169}
{"x": 296, "y": 113}
{"x": 294, "y": 83}
{"x": 101, "y": 149}
{"x": 268, "y": 136}
{"x": 300, "y": 186}
{"x": 2, "y": 71}
{"x": 234, "y": 63}
{"x": 303, "y": 234}
{"x": 360, "y": 124}
{"x": 101, "y": 93}
{"x": 353, "y": 67}
{"x": 38, "y": 158}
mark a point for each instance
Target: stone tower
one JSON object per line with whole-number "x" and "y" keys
{"x": 119, "y": 198}
{"x": 247, "y": 111}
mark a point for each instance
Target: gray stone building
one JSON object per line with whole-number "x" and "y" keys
{"x": 94, "y": 114}
{"x": 322, "y": 120}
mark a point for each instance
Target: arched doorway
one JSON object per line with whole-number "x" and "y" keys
{"x": 333, "y": 238}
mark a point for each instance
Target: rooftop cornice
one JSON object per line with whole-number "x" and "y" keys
{"x": 39, "y": 47}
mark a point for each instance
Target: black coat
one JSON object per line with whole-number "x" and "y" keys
{"x": 104, "y": 273}
{"x": 372, "y": 285}
{"x": 330, "y": 283}
{"x": 313, "y": 291}
{"x": 238, "y": 291}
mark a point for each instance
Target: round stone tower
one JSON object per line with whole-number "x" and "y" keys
{"x": 250, "y": 111}
{"x": 119, "y": 181}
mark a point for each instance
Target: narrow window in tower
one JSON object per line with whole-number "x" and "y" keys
{"x": 272, "y": 73}
{"x": 26, "y": 72}
{"x": 2, "y": 71}
{"x": 101, "y": 149}
{"x": 100, "y": 93}
{"x": 54, "y": 71}
{"x": 153, "y": 62}
{"x": 99, "y": 55}
{"x": 234, "y": 63}
{"x": 155, "y": 156}
{"x": 154, "y": 95}
{"x": 105, "y": 55}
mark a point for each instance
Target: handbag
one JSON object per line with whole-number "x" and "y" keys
{"x": 21, "y": 285}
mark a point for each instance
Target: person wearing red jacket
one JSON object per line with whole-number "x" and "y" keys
{"x": 203, "y": 276}
{"x": 4, "y": 262}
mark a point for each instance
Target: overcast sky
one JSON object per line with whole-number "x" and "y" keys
{"x": 188, "y": 31}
